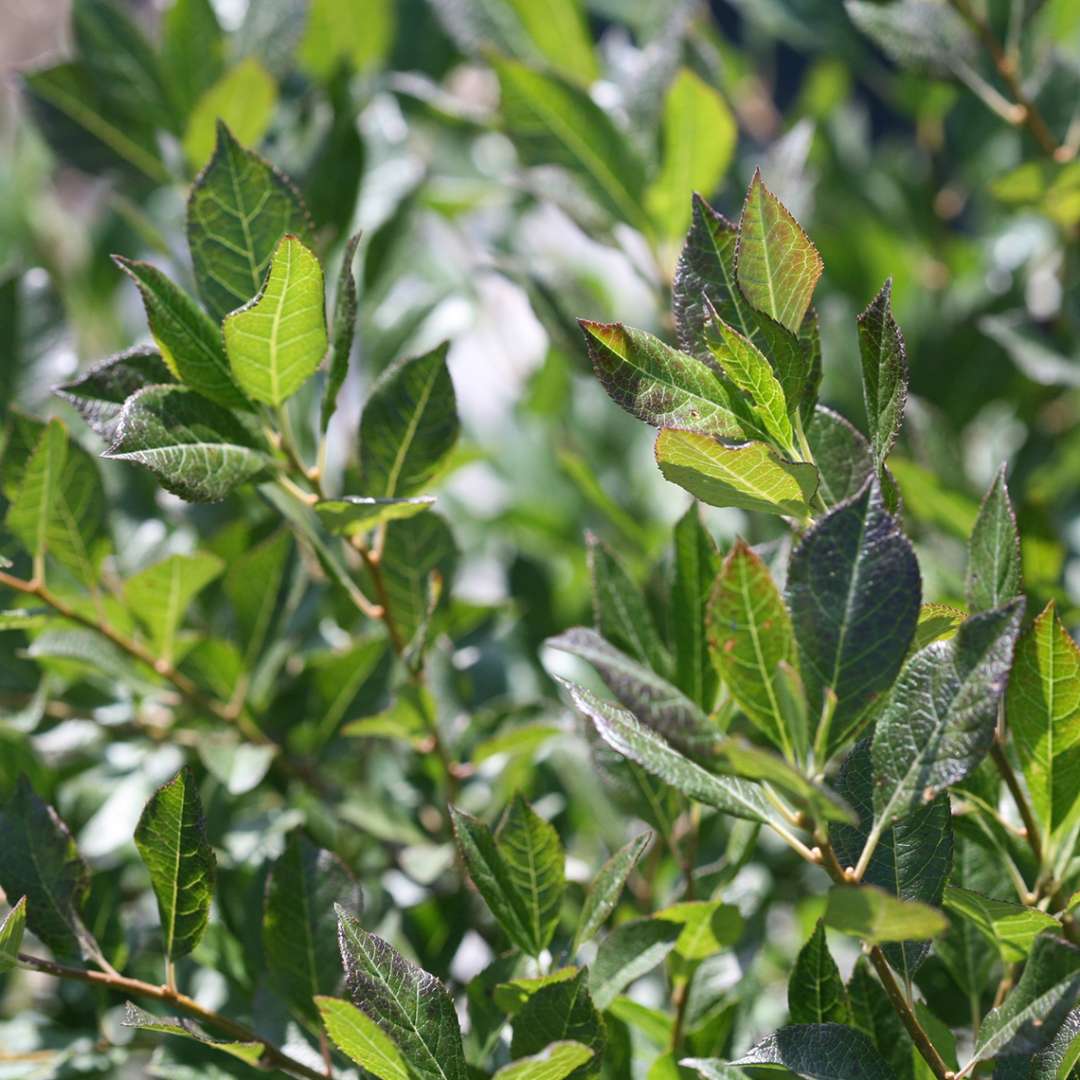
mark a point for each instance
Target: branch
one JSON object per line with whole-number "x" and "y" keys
{"x": 1027, "y": 815}
{"x": 272, "y": 1055}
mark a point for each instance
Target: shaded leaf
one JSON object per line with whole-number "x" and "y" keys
{"x": 1055, "y": 1062}
{"x": 33, "y": 508}
{"x": 873, "y": 1014}
{"x": 134, "y": 1017}
{"x": 707, "y": 927}
{"x": 343, "y": 329}
{"x": 993, "y": 574}
{"x": 11, "y": 935}
{"x": 697, "y": 562}
{"x": 937, "y": 622}
{"x": 819, "y": 1052}
{"x": 884, "y": 372}
{"x": 192, "y": 47}
{"x": 816, "y": 993}
{"x": 607, "y": 887}
{"x": 631, "y": 950}
{"x": 557, "y": 1012}
{"x": 843, "y": 457}
{"x": 872, "y": 914}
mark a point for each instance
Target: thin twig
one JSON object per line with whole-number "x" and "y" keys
{"x": 1027, "y": 815}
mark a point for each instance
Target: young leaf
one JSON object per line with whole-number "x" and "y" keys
{"x": 660, "y": 385}
{"x": 518, "y": 871}
{"x": 197, "y": 449}
{"x": 277, "y": 340}
{"x": 937, "y": 622}
{"x": 39, "y": 861}
{"x": 707, "y": 927}
{"x": 749, "y": 636}
{"x": 553, "y": 122}
{"x": 697, "y": 563}
{"x": 993, "y": 575}
{"x": 239, "y": 209}
{"x": 843, "y": 457}
{"x": 631, "y": 950}
{"x": 190, "y": 343}
{"x": 776, "y": 264}
{"x": 870, "y": 913}
{"x": 620, "y": 611}
{"x": 171, "y": 839}
{"x": 342, "y": 332}
{"x": 243, "y": 98}
{"x": 607, "y": 887}
{"x": 653, "y": 700}
{"x": 819, "y": 1052}
{"x": 409, "y": 1005}
{"x": 884, "y": 372}
{"x": 554, "y": 1062}
{"x": 11, "y": 935}
{"x": 1042, "y": 708}
{"x": 938, "y": 722}
{"x": 913, "y": 857}
{"x": 354, "y": 515}
{"x": 359, "y": 1038}
{"x": 816, "y": 993}
{"x": 1012, "y": 928}
{"x": 556, "y": 1012}
{"x": 134, "y": 1017}
{"x": 160, "y": 595}
{"x": 1029, "y": 1018}
{"x": 409, "y": 426}
{"x": 699, "y": 135}
{"x": 299, "y": 922}
{"x": 29, "y": 515}
{"x": 853, "y": 589}
{"x": 750, "y": 477}
{"x": 100, "y": 393}
{"x": 625, "y": 735}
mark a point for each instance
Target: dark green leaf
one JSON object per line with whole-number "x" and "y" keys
{"x": 884, "y": 372}
{"x": 631, "y": 950}
{"x": 252, "y": 584}
{"x": 197, "y": 449}
{"x": 171, "y": 838}
{"x": 240, "y": 208}
{"x": 34, "y": 507}
{"x": 191, "y": 345}
{"x": 938, "y": 722}
{"x": 872, "y": 914}
{"x": 993, "y": 574}
{"x": 816, "y": 993}
{"x": 557, "y": 1012}
{"x": 39, "y": 861}
{"x": 11, "y": 935}
{"x": 409, "y": 1005}
{"x": 359, "y": 1038}
{"x": 299, "y": 924}
{"x": 873, "y": 1014}
{"x": 192, "y": 48}
{"x": 843, "y": 457}
{"x": 341, "y": 334}
{"x": 697, "y": 563}
{"x": 409, "y": 426}
{"x": 819, "y": 1052}
{"x": 1055, "y": 1062}
{"x": 853, "y": 590}
{"x": 607, "y": 887}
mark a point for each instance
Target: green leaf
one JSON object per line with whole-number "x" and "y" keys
{"x": 554, "y": 1062}
{"x": 11, "y": 935}
{"x": 653, "y": 700}
{"x": 776, "y": 264}
{"x": 1055, "y": 1062}
{"x": 511, "y": 996}
{"x": 360, "y": 33}
{"x": 627, "y": 736}
{"x": 631, "y": 950}
{"x": 557, "y": 1012}
{"x": 607, "y": 887}
{"x": 819, "y": 1052}
{"x": 913, "y": 857}
{"x": 359, "y": 1038}
{"x": 713, "y": 1068}
{"x": 39, "y": 861}
{"x": 993, "y": 574}
{"x": 1012, "y": 928}
{"x": 276, "y": 341}
{"x": 553, "y": 122}
{"x": 518, "y": 871}
{"x": 843, "y": 457}
{"x": 1042, "y": 708}
{"x": 243, "y": 98}
{"x": 749, "y": 477}
{"x": 873, "y": 1014}
{"x": 816, "y": 993}
{"x": 100, "y": 393}
{"x": 884, "y": 372}
{"x": 620, "y": 611}
{"x": 160, "y": 595}
{"x": 409, "y": 426}
{"x": 699, "y": 133}
{"x": 853, "y": 589}
{"x": 171, "y": 839}
{"x": 134, "y": 1017}
{"x": 938, "y": 722}
{"x": 872, "y": 914}
{"x": 1029, "y": 1018}
{"x": 409, "y": 1005}
{"x": 30, "y": 514}
{"x": 559, "y": 30}
{"x": 750, "y": 634}
{"x": 252, "y": 584}
{"x": 239, "y": 209}
{"x": 342, "y": 331}
{"x": 697, "y": 563}
{"x": 917, "y": 35}
{"x": 707, "y": 927}
{"x": 937, "y": 622}
{"x": 197, "y": 449}
{"x": 659, "y": 384}
{"x": 192, "y": 48}
{"x": 355, "y": 515}
{"x": 190, "y": 343}
{"x": 299, "y": 925}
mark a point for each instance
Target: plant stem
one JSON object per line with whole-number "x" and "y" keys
{"x": 272, "y": 1055}
{"x": 1027, "y": 815}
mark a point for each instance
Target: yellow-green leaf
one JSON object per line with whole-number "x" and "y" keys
{"x": 244, "y": 98}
